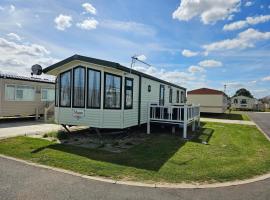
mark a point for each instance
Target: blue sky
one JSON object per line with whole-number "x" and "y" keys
{"x": 205, "y": 43}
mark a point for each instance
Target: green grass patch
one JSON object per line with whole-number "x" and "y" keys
{"x": 233, "y": 152}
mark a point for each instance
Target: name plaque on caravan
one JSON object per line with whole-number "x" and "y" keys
{"x": 78, "y": 113}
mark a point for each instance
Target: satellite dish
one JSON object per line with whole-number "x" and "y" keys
{"x": 36, "y": 69}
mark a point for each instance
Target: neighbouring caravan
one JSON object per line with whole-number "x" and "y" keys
{"x": 24, "y": 96}
{"x": 104, "y": 94}
{"x": 244, "y": 103}
{"x": 210, "y": 100}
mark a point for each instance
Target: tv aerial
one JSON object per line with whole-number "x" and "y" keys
{"x": 137, "y": 58}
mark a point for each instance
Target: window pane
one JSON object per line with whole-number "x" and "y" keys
{"x": 25, "y": 93}
{"x": 93, "y": 89}
{"x": 177, "y": 97}
{"x": 65, "y": 87}
{"x": 78, "y": 87}
{"x": 182, "y": 97}
{"x": 170, "y": 96}
{"x": 47, "y": 94}
{"x": 112, "y": 91}
{"x": 128, "y": 93}
{"x": 57, "y": 91}
{"x": 161, "y": 95}
{"x": 10, "y": 92}
{"x": 44, "y": 94}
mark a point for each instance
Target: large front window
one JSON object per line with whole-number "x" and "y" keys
{"x": 65, "y": 89}
{"x": 112, "y": 94}
{"x": 93, "y": 87}
{"x": 78, "y": 87}
{"x": 128, "y": 93}
{"x": 56, "y": 92}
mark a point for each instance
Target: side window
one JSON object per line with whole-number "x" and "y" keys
{"x": 162, "y": 95}
{"x": 112, "y": 91}
{"x": 47, "y": 94}
{"x": 65, "y": 89}
{"x": 177, "y": 96}
{"x": 79, "y": 87}
{"x": 93, "y": 88}
{"x": 10, "y": 92}
{"x": 19, "y": 93}
{"x": 128, "y": 93}
{"x": 170, "y": 95}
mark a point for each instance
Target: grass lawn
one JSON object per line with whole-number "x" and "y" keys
{"x": 234, "y": 115}
{"x": 234, "y": 152}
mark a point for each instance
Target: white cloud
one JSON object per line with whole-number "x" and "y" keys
{"x": 23, "y": 49}
{"x": 188, "y": 53}
{"x": 14, "y": 36}
{"x": 142, "y": 57}
{"x": 235, "y": 25}
{"x": 267, "y": 78}
{"x": 2, "y": 8}
{"x": 210, "y": 63}
{"x": 88, "y": 24}
{"x": 63, "y": 21}
{"x": 244, "y": 23}
{"x": 245, "y": 39}
{"x": 18, "y": 58}
{"x": 248, "y": 3}
{"x": 195, "y": 69}
{"x": 19, "y": 25}
{"x": 210, "y": 11}
{"x": 89, "y": 8}
{"x": 177, "y": 77}
{"x": 12, "y": 8}
{"x": 129, "y": 26}
{"x": 258, "y": 19}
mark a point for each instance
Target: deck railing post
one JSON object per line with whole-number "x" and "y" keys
{"x": 185, "y": 121}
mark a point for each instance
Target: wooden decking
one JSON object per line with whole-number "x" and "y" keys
{"x": 182, "y": 115}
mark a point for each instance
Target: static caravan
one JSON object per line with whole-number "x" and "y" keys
{"x": 24, "y": 96}
{"x": 103, "y": 94}
{"x": 210, "y": 100}
{"x": 243, "y": 103}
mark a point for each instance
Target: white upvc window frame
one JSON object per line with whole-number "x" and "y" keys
{"x": 15, "y": 92}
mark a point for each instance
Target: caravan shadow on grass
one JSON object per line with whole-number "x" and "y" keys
{"x": 150, "y": 155}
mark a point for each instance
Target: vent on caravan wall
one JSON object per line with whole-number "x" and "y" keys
{"x": 36, "y": 70}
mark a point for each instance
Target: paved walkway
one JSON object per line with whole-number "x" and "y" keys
{"x": 22, "y": 181}
{"x": 227, "y": 121}
{"x": 11, "y": 129}
{"x": 262, "y": 120}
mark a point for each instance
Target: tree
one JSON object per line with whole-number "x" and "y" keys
{"x": 243, "y": 92}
